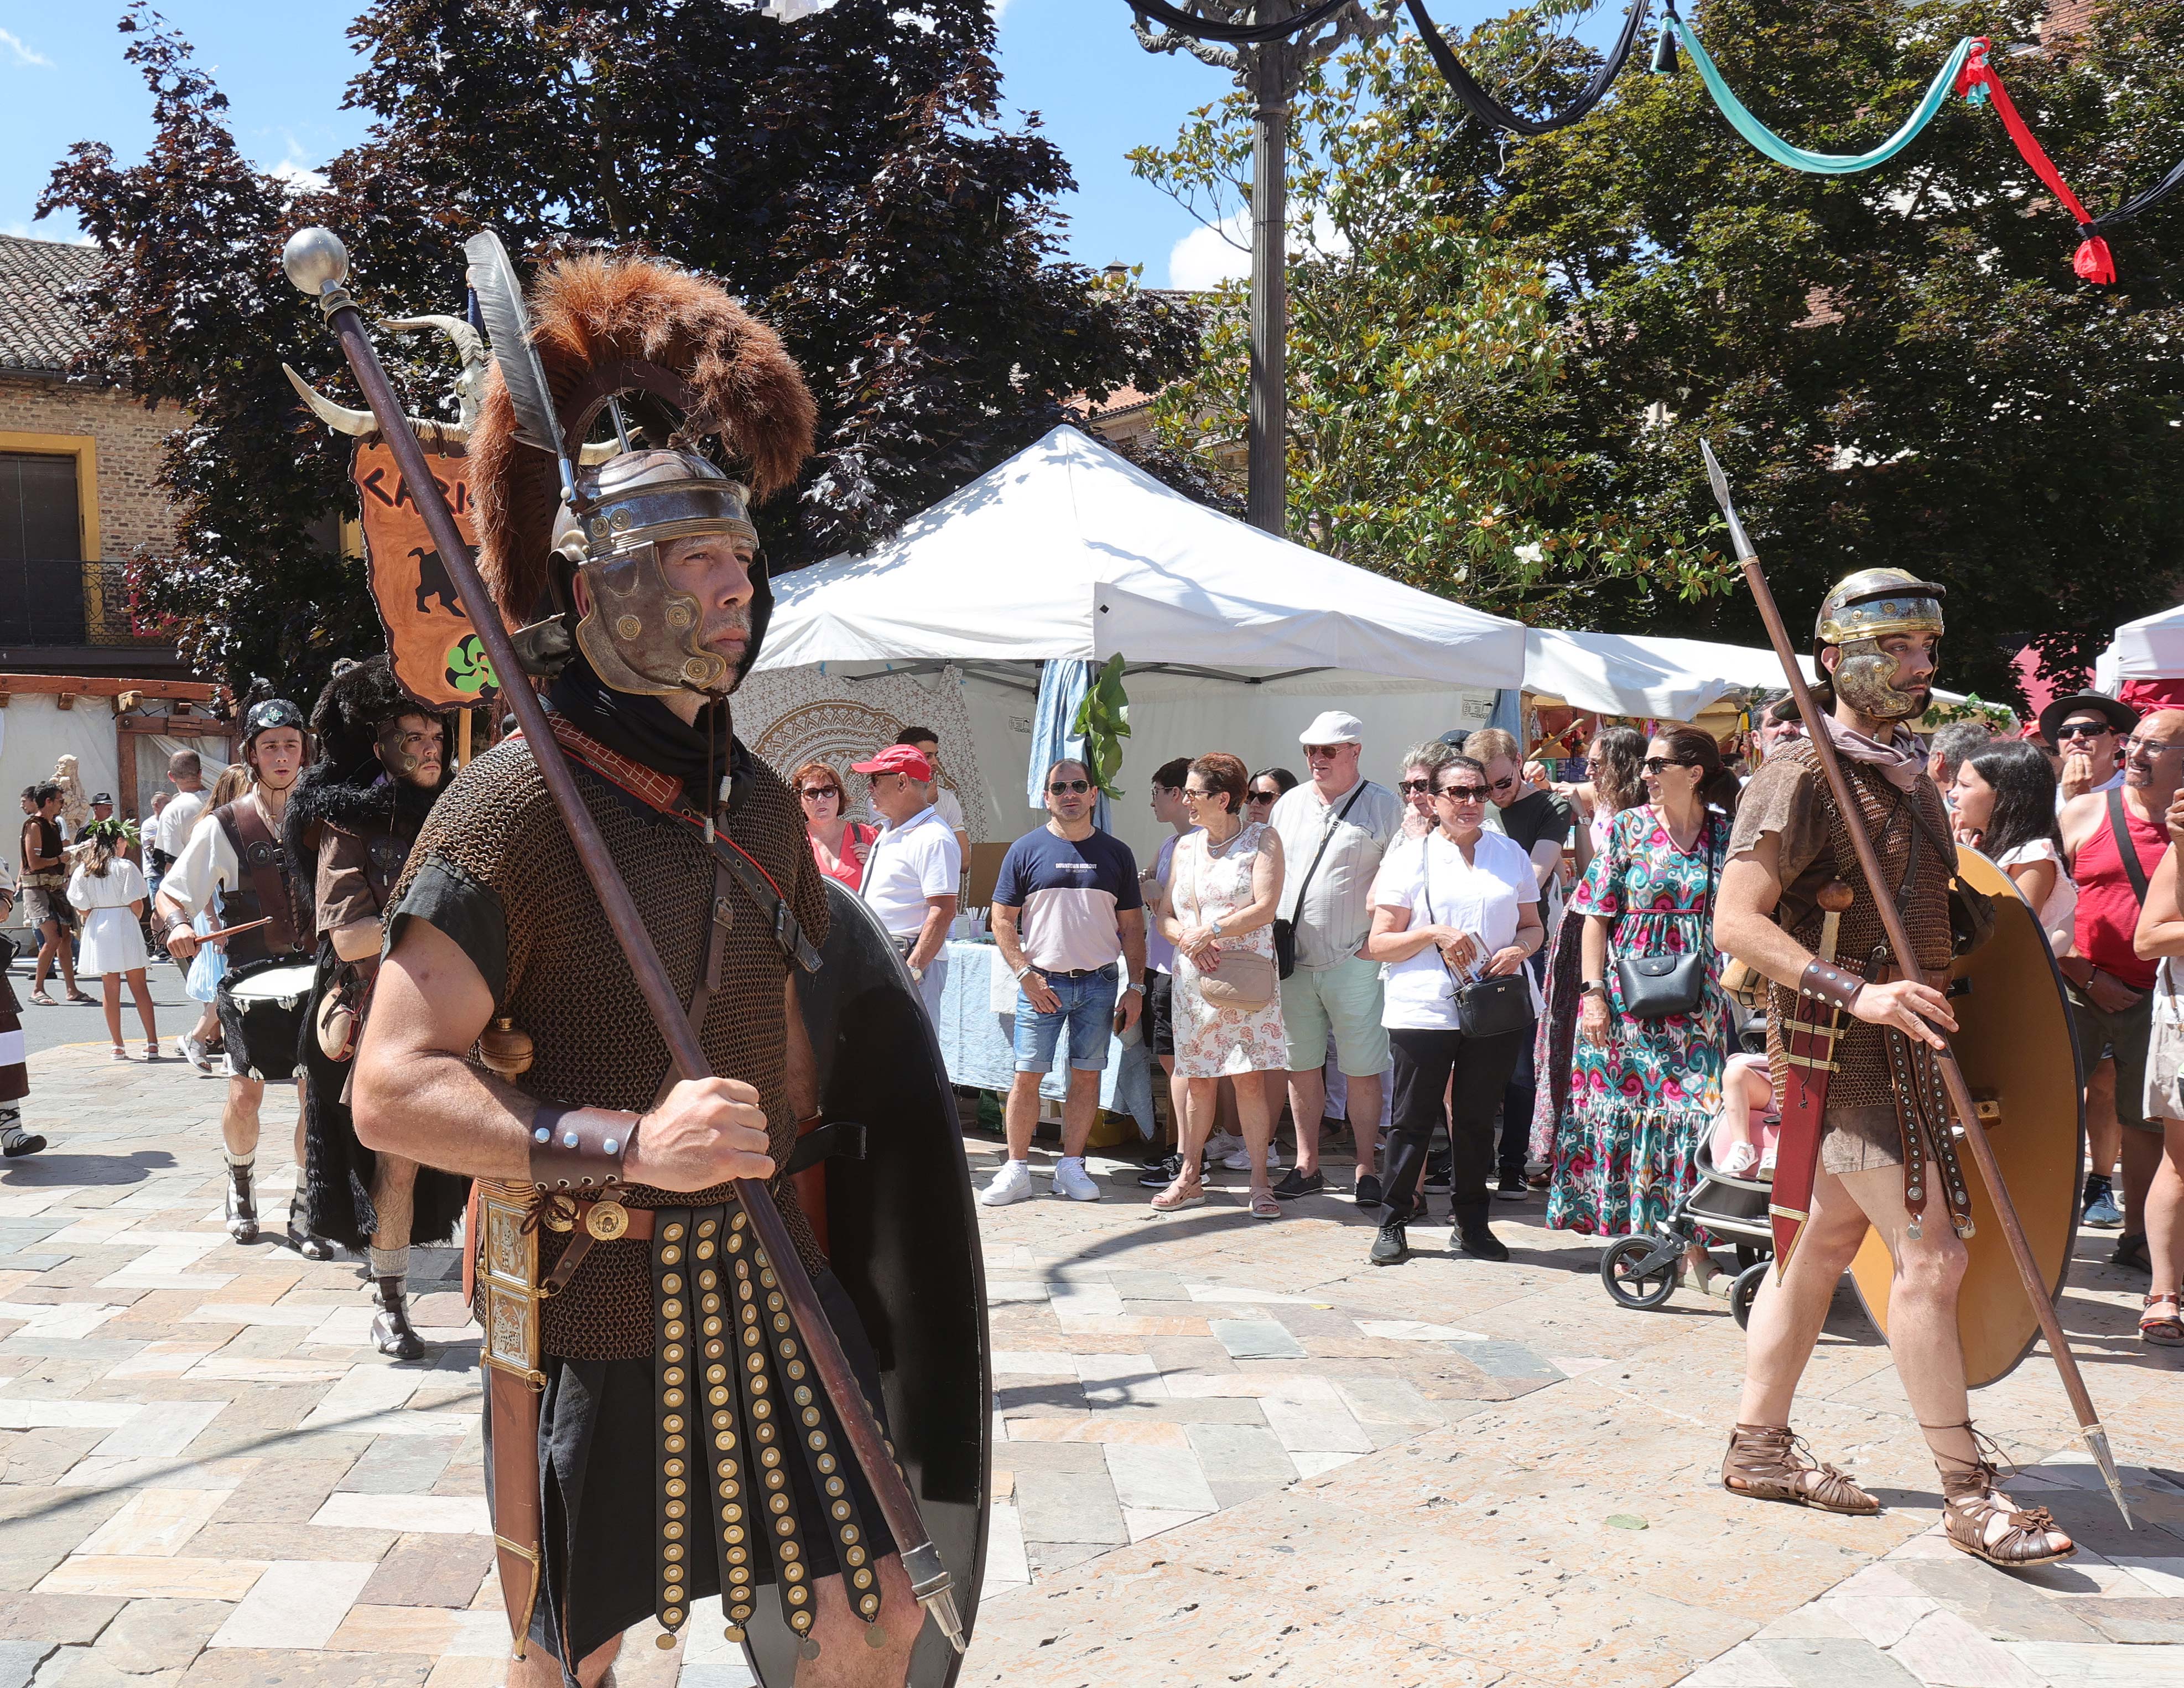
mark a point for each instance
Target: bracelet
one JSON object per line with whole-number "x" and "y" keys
{"x": 1829, "y": 984}
{"x": 579, "y": 1149}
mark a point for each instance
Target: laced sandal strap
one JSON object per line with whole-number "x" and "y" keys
{"x": 1773, "y": 1463}
{"x": 1971, "y": 1504}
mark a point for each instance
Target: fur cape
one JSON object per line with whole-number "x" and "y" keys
{"x": 591, "y": 311}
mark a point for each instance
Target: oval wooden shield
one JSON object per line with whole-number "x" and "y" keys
{"x": 902, "y": 1235}
{"x": 2017, "y": 1047}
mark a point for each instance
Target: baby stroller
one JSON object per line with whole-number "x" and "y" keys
{"x": 1640, "y": 1271}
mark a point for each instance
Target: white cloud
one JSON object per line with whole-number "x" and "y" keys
{"x": 300, "y": 177}
{"x": 1210, "y": 255}
{"x": 23, "y": 54}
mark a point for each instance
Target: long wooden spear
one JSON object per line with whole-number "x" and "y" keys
{"x": 1906, "y": 964}
{"x": 318, "y": 264}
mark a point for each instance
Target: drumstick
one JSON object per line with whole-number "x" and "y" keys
{"x": 229, "y": 931}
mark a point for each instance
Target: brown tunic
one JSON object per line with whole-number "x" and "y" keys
{"x": 1789, "y": 797}
{"x": 495, "y": 870}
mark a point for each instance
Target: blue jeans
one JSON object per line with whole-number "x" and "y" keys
{"x": 1086, "y": 1007}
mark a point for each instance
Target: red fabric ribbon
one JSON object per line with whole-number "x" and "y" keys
{"x": 2093, "y": 260}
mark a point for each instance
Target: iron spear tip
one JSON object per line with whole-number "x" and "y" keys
{"x": 1737, "y": 539}
{"x": 315, "y": 260}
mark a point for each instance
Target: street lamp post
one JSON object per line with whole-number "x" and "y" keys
{"x": 1270, "y": 73}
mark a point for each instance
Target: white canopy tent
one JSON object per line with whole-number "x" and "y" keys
{"x": 1235, "y": 639}
{"x": 1069, "y": 550}
{"x": 1665, "y": 679}
{"x": 2152, "y": 648}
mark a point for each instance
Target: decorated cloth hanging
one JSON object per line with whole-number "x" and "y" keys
{"x": 1491, "y": 111}
{"x": 1797, "y": 158}
{"x": 1978, "y": 83}
{"x": 2145, "y": 202}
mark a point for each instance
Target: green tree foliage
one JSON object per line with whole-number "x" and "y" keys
{"x": 1431, "y": 423}
{"x": 847, "y": 173}
{"x": 1898, "y": 368}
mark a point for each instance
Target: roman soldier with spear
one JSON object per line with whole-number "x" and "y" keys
{"x": 615, "y": 992}
{"x": 1838, "y": 890}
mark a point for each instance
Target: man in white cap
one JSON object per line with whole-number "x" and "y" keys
{"x": 1334, "y": 827}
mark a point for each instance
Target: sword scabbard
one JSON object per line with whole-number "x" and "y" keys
{"x": 507, "y": 1252}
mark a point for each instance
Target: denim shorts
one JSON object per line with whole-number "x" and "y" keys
{"x": 1087, "y": 1008}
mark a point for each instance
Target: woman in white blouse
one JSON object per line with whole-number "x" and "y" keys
{"x": 2005, "y": 804}
{"x": 1464, "y": 905}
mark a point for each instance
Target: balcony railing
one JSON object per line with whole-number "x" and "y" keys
{"x": 68, "y": 603}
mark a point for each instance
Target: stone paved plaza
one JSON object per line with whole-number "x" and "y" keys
{"x": 1226, "y": 1451}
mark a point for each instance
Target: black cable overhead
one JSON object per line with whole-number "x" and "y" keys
{"x": 1240, "y": 34}
{"x": 1492, "y": 112}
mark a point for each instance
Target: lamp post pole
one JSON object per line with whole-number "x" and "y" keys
{"x": 1270, "y": 72}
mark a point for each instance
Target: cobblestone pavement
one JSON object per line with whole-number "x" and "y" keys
{"x": 1226, "y": 1450}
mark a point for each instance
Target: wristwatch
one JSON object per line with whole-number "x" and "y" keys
{"x": 1214, "y": 927}
{"x": 1592, "y": 987}
{"x": 1133, "y": 985}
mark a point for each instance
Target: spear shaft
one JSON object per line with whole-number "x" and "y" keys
{"x": 1907, "y": 965}
{"x": 929, "y": 1580}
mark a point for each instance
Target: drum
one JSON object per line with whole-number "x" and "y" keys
{"x": 261, "y": 1009}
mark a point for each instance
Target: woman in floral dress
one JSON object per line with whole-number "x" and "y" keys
{"x": 1643, "y": 1092}
{"x": 1222, "y": 889}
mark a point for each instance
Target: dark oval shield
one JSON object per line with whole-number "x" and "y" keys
{"x": 902, "y": 1235}
{"x": 2018, "y": 1051}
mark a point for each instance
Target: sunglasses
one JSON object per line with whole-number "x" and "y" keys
{"x": 1411, "y": 788}
{"x": 813, "y": 791}
{"x": 1464, "y": 793}
{"x": 2149, "y": 747}
{"x": 2082, "y": 729}
{"x": 1260, "y": 796}
{"x": 1655, "y": 765}
{"x": 1322, "y": 753}
{"x": 1503, "y": 783}
{"x": 1061, "y": 786}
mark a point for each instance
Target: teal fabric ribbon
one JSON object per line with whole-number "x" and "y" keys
{"x": 1797, "y": 158}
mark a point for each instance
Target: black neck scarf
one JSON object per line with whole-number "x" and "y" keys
{"x": 646, "y": 730}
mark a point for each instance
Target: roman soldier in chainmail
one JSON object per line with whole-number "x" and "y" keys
{"x": 1866, "y": 1139}
{"x": 347, "y": 832}
{"x": 655, "y": 1433}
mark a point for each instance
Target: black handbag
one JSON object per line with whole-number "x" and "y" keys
{"x": 1487, "y": 1008}
{"x": 1490, "y": 1008}
{"x": 1285, "y": 930}
{"x": 1657, "y": 987}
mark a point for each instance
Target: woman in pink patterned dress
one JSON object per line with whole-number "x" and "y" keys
{"x": 1222, "y": 886}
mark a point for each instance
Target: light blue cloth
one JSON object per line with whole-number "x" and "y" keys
{"x": 1061, "y": 688}
{"x": 978, "y": 1043}
{"x": 1797, "y": 158}
{"x": 201, "y": 983}
{"x": 1509, "y": 713}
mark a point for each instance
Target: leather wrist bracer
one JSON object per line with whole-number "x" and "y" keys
{"x": 578, "y": 1149}
{"x": 1830, "y": 984}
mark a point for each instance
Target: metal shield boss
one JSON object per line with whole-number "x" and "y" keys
{"x": 2015, "y": 1046}
{"x": 892, "y": 1205}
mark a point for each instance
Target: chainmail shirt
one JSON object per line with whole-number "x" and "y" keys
{"x": 495, "y": 870}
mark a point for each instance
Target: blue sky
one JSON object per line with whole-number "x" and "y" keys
{"x": 283, "y": 68}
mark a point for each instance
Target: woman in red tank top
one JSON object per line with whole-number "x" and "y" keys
{"x": 838, "y": 844}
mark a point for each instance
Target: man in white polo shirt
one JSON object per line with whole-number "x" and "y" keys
{"x": 911, "y": 875}
{"x": 1334, "y": 829}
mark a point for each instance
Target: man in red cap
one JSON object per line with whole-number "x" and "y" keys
{"x": 911, "y": 875}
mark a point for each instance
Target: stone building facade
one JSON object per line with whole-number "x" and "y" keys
{"x": 79, "y": 483}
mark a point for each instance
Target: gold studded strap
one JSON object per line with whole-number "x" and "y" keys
{"x": 675, "y": 1416}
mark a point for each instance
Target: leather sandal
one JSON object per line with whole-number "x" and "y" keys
{"x": 2161, "y": 1329}
{"x": 1771, "y": 1462}
{"x": 1178, "y": 1197}
{"x": 1971, "y": 1507}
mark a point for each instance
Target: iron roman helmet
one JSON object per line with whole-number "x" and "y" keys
{"x": 640, "y": 634}
{"x": 1859, "y": 612}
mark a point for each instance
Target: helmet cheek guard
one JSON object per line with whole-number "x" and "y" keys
{"x": 639, "y": 634}
{"x": 1861, "y": 610}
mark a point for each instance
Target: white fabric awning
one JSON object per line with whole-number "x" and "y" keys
{"x": 1068, "y": 550}
{"x": 2152, "y": 648}
{"x": 1631, "y": 674}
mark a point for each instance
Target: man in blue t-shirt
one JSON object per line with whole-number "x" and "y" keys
{"x": 1070, "y": 923}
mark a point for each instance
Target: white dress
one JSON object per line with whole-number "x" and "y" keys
{"x": 2058, "y": 914}
{"x": 113, "y": 942}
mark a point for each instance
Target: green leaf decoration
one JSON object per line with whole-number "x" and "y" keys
{"x": 1103, "y": 722}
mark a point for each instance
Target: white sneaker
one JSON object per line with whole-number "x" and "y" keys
{"x": 1222, "y": 1146}
{"x": 1238, "y": 1159}
{"x": 1011, "y": 1183}
{"x": 1071, "y": 1180}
